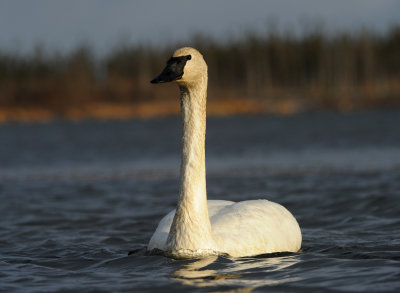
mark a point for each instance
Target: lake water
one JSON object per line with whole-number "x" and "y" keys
{"x": 77, "y": 197}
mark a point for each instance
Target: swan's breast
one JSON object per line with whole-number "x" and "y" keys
{"x": 160, "y": 236}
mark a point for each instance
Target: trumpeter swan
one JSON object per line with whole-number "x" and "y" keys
{"x": 200, "y": 227}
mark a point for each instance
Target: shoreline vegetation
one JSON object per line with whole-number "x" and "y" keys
{"x": 255, "y": 74}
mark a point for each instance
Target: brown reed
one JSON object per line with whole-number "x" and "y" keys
{"x": 278, "y": 73}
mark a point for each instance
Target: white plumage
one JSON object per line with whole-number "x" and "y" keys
{"x": 198, "y": 227}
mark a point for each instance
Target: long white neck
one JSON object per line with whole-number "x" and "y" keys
{"x": 191, "y": 228}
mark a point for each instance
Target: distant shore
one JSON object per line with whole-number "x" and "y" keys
{"x": 111, "y": 111}
{"x": 159, "y": 108}
{"x": 257, "y": 74}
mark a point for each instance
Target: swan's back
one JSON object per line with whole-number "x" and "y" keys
{"x": 255, "y": 227}
{"x": 243, "y": 229}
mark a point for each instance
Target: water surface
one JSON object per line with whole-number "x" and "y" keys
{"x": 76, "y": 198}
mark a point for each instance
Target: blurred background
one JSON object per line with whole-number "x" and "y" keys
{"x": 79, "y": 59}
{"x": 90, "y": 150}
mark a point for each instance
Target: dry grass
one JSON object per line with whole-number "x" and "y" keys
{"x": 151, "y": 109}
{"x": 274, "y": 73}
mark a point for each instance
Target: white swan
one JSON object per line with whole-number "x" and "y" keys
{"x": 198, "y": 227}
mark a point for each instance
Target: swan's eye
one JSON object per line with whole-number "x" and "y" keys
{"x": 189, "y": 57}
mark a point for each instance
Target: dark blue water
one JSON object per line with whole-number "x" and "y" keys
{"x": 76, "y": 198}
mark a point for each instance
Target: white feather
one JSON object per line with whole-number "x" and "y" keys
{"x": 198, "y": 227}
{"x": 245, "y": 228}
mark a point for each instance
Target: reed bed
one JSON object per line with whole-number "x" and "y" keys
{"x": 255, "y": 74}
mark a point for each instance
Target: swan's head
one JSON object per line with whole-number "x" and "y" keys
{"x": 186, "y": 66}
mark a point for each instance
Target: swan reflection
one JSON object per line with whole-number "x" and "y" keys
{"x": 215, "y": 271}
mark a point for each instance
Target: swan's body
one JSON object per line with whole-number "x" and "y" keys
{"x": 199, "y": 227}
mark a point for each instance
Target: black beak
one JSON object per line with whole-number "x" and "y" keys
{"x": 167, "y": 75}
{"x": 173, "y": 70}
